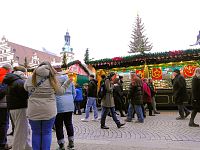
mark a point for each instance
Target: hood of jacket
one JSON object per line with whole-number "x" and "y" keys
{"x": 43, "y": 71}
{"x": 9, "y": 78}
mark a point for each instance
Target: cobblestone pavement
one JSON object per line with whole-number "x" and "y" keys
{"x": 160, "y": 132}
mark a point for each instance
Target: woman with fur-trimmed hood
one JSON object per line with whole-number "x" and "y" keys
{"x": 42, "y": 87}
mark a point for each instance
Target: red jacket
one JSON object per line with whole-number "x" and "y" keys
{"x": 3, "y": 73}
{"x": 146, "y": 93}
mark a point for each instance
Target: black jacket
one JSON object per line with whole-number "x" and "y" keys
{"x": 16, "y": 95}
{"x": 135, "y": 94}
{"x": 92, "y": 88}
{"x": 196, "y": 93}
{"x": 179, "y": 89}
{"x": 118, "y": 93}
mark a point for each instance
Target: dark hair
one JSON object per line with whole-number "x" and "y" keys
{"x": 177, "y": 71}
{"x": 121, "y": 77}
{"x": 92, "y": 76}
{"x": 111, "y": 74}
{"x": 103, "y": 76}
{"x": 19, "y": 68}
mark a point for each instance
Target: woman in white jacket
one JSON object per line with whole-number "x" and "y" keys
{"x": 42, "y": 87}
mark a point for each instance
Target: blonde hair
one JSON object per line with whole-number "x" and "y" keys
{"x": 197, "y": 72}
{"x": 52, "y": 76}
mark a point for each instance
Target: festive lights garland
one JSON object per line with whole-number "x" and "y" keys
{"x": 150, "y": 58}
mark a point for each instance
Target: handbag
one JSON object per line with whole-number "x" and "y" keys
{"x": 38, "y": 84}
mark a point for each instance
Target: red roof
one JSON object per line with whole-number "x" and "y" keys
{"x": 20, "y": 52}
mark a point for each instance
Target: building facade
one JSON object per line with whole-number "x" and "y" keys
{"x": 16, "y": 54}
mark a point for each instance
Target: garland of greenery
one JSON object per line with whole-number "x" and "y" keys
{"x": 150, "y": 58}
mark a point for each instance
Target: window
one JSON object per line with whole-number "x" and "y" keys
{"x": 0, "y": 52}
{"x": 4, "y": 51}
{"x": 1, "y": 59}
{"x": 5, "y": 59}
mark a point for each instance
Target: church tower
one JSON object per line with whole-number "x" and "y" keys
{"x": 67, "y": 49}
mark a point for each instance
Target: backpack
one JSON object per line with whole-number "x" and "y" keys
{"x": 3, "y": 88}
{"x": 102, "y": 90}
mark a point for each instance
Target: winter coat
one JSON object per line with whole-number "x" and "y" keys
{"x": 108, "y": 100}
{"x": 179, "y": 90}
{"x": 135, "y": 94}
{"x": 42, "y": 102}
{"x": 152, "y": 89}
{"x": 79, "y": 95}
{"x": 65, "y": 103}
{"x": 196, "y": 93}
{"x": 16, "y": 95}
{"x": 146, "y": 93}
{"x": 118, "y": 93}
{"x": 3, "y": 73}
{"x": 92, "y": 88}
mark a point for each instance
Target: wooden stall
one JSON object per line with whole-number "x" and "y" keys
{"x": 158, "y": 66}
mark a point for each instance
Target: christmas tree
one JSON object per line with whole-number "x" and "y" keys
{"x": 139, "y": 41}
{"x": 86, "y": 58}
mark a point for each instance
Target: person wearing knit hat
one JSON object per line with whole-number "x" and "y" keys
{"x": 180, "y": 94}
{"x": 4, "y": 113}
{"x": 17, "y": 104}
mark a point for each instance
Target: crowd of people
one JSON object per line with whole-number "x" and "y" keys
{"x": 48, "y": 98}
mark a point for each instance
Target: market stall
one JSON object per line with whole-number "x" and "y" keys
{"x": 158, "y": 66}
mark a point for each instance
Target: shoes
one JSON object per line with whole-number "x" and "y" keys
{"x": 127, "y": 120}
{"x": 120, "y": 125}
{"x": 193, "y": 125}
{"x": 6, "y": 147}
{"x": 156, "y": 112}
{"x": 187, "y": 114}
{"x": 10, "y": 134}
{"x": 152, "y": 115}
{"x": 70, "y": 145}
{"x": 95, "y": 119}
{"x": 139, "y": 121}
{"x": 61, "y": 147}
{"x": 180, "y": 118}
{"x": 104, "y": 127}
{"x": 85, "y": 120}
{"x": 80, "y": 113}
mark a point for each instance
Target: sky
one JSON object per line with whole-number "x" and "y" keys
{"x": 103, "y": 26}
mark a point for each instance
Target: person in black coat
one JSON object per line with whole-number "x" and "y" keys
{"x": 17, "y": 100}
{"x": 180, "y": 94}
{"x": 118, "y": 96}
{"x": 195, "y": 97}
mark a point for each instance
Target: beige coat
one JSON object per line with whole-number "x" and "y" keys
{"x": 42, "y": 102}
{"x": 108, "y": 100}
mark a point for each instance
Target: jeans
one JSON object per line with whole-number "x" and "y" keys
{"x": 130, "y": 112}
{"x": 41, "y": 133}
{"x": 77, "y": 106}
{"x": 104, "y": 113}
{"x": 140, "y": 115}
{"x": 91, "y": 102}
{"x": 65, "y": 118}
{"x": 182, "y": 109}
{"x": 4, "y": 125}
